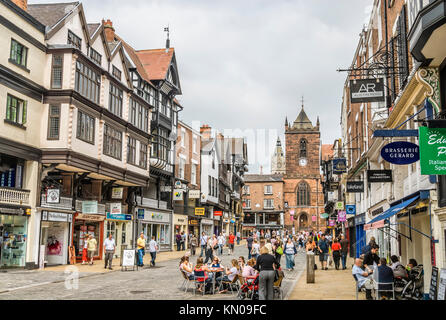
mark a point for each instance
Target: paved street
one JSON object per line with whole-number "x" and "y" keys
{"x": 161, "y": 282}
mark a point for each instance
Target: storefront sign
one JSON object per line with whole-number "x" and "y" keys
{"x": 140, "y": 214}
{"x": 342, "y": 216}
{"x": 91, "y": 217}
{"x": 53, "y": 196}
{"x": 355, "y": 186}
{"x": 379, "y": 176}
{"x": 13, "y": 211}
{"x": 90, "y": 207}
{"x": 339, "y": 205}
{"x": 56, "y": 216}
{"x": 193, "y": 222}
{"x": 177, "y": 194}
{"x": 339, "y": 166}
{"x": 434, "y": 284}
{"x": 194, "y": 194}
{"x": 218, "y": 213}
{"x": 401, "y": 152}
{"x": 360, "y": 219}
{"x": 199, "y": 211}
{"x": 377, "y": 211}
{"x": 350, "y": 209}
{"x": 126, "y": 217}
{"x": 115, "y": 208}
{"x": 432, "y": 150}
{"x": 207, "y": 221}
{"x": 117, "y": 193}
{"x": 331, "y": 222}
{"x": 128, "y": 259}
{"x": 367, "y": 90}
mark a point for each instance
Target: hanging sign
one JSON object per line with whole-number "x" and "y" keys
{"x": 194, "y": 194}
{"x": 339, "y": 205}
{"x": 115, "y": 208}
{"x": 117, "y": 193}
{"x": 324, "y": 215}
{"x": 355, "y": 186}
{"x": 313, "y": 218}
{"x": 350, "y": 209}
{"x": 199, "y": 211}
{"x": 177, "y": 194}
{"x": 367, "y": 90}
{"x": 379, "y": 176}
{"x": 339, "y": 166}
{"x": 401, "y": 152}
{"x": 218, "y": 213}
{"x": 141, "y": 214}
{"x": 331, "y": 222}
{"x": 342, "y": 216}
{"x": 53, "y": 196}
{"x": 432, "y": 150}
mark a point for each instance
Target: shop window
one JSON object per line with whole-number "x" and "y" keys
{"x": 249, "y": 218}
{"x": 123, "y": 233}
{"x": 82, "y": 229}
{"x": 12, "y": 240}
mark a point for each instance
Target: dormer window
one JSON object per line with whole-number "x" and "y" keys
{"x": 116, "y": 73}
{"x": 95, "y": 56}
{"x": 74, "y": 40}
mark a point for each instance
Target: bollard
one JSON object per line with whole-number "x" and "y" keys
{"x": 123, "y": 247}
{"x": 310, "y": 267}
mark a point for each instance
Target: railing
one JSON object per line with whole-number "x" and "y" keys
{"x": 64, "y": 203}
{"x": 14, "y": 196}
{"x": 101, "y": 207}
{"x": 153, "y": 203}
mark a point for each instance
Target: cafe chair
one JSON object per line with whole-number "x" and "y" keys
{"x": 384, "y": 287}
{"x": 357, "y": 290}
{"x": 186, "y": 282}
{"x": 231, "y": 284}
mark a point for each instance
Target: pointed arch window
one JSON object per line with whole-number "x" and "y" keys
{"x": 303, "y": 148}
{"x": 303, "y": 194}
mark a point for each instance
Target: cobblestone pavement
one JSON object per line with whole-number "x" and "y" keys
{"x": 161, "y": 282}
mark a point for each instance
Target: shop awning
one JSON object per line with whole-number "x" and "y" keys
{"x": 378, "y": 221}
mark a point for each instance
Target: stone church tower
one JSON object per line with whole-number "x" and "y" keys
{"x": 278, "y": 159}
{"x": 304, "y": 200}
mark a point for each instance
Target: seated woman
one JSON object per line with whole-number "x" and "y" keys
{"x": 200, "y": 273}
{"x": 186, "y": 267}
{"x": 412, "y": 263}
{"x": 397, "y": 268}
{"x": 216, "y": 263}
{"x": 241, "y": 262}
{"x": 248, "y": 270}
{"x": 230, "y": 274}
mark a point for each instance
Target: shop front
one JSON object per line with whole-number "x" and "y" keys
{"x": 55, "y": 236}
{"x": 155, "y": 223}
{"x": 207, "y": 226}
{"x": 13, "y": 236}
{"x": 218, "y": 222}
{"x": 194, "y": 226}
{"x": 351, "y": 235}
{"x": 120, "y": 227}
{"x": 180, "y": 224}
{"x": 85, "y": 225}
{"x": 360, "y": 234}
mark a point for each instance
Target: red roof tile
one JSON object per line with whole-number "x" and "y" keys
{"x": 327, "y": 151}
{"x": 156, "y": 62}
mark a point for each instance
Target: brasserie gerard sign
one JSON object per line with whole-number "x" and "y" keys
{"x": 432, "y": 150}
{"x": 401, "y": 152}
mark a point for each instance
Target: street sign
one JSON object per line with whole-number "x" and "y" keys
{"x": 401, "y": 152}
{"x": 432, "y": 150}
{"x": 379, "y": 176}
{"x": 367, "y": 90}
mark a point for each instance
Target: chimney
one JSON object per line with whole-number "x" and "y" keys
{"x": 109, "y": 30}
{"x": 205, "y": 131}
{"x": 261, "y": 170}
{"x": 22, "y": 4}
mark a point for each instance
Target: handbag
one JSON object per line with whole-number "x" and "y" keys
{"x": 279, "y": 250}
{"x": 276, "y": 275}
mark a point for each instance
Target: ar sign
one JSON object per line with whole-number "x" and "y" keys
{"x": 366, "y": 90}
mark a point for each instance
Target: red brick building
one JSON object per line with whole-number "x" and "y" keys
{"x": 304, "y": 201}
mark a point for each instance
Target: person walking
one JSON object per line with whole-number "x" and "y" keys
{"x": 290, "y": 251}
{"x": 91, "y": 247}
{"x": 249, "y": 242}
{"x": 178, "y": 240}
{"x": 344, "y": 251}
{"x": 110, "y": 247}
{"x": 203, "y": 243}
{"x": 183, "y": 241}
{"x": 322, "y": 247}
{"x": 336, "y": 249}
{"x": 141, "y": 245}
{"x": 85, "y": 249}
{"x": 153, "y": 248}
{"x": 193, "y": 244}
{"x": 266, "y": 265}
{"x": 231, "y": 243}
{"x": 278, "y": 251}
{"x": 221, "y": 242}
{"x": 239, "y": 237}
{"x": 255, "y": 252}
{"x": 209, "y": 250}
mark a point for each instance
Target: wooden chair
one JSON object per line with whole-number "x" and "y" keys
{"x": 186, "y": 281}
{"x": 230, "y": 284}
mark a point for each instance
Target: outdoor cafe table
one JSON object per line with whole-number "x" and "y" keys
{"x": 214, "y": 272}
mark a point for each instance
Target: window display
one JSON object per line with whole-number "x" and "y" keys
{"x": 82, "y": 229}
{"x": 13, "y": 240}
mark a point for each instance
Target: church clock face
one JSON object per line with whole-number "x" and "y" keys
{"x": 303, "y": 162}
{"x": 279, "y": 164}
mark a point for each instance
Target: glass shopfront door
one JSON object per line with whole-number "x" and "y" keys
{"x": 55, "y": 238}
{"x": 13, "y": 233}
{"x": 83, "y": 228}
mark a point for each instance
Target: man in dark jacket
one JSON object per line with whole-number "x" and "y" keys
{"x": 249, "y": 242}
{"x": 371, "y": 257}
{"x": 344, "y": 251}
{"x": 385, "y": 275}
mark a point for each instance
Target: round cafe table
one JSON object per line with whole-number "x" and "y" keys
{"x": 214, "y": 272}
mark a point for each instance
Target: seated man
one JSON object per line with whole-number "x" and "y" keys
{"x": 397, "y": 268}
{"x": 385, "y": 275}
{"x": 364, "y": 281}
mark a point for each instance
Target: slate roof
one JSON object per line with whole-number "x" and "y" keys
{"x": 92, "y": 27}
{"x": 263, "y": 178}
{"x": 50, "y": 14}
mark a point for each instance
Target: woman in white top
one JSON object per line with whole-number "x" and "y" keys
{"x": 186, "y": 267}
{"x": 255, "y": 251}
{"x": 221, "y": 243}
{"x": 230, "y": 273}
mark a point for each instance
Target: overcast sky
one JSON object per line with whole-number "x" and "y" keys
{"x": 244, "y": 64}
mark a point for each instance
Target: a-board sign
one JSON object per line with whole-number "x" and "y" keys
{"x": 441, "y": 293}
{"x": 128, "y": 259}
{"x": 434, "y": 284}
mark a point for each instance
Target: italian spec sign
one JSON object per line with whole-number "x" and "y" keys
{"x": 401, "y": 152}
{"x": 432, "y": 150}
